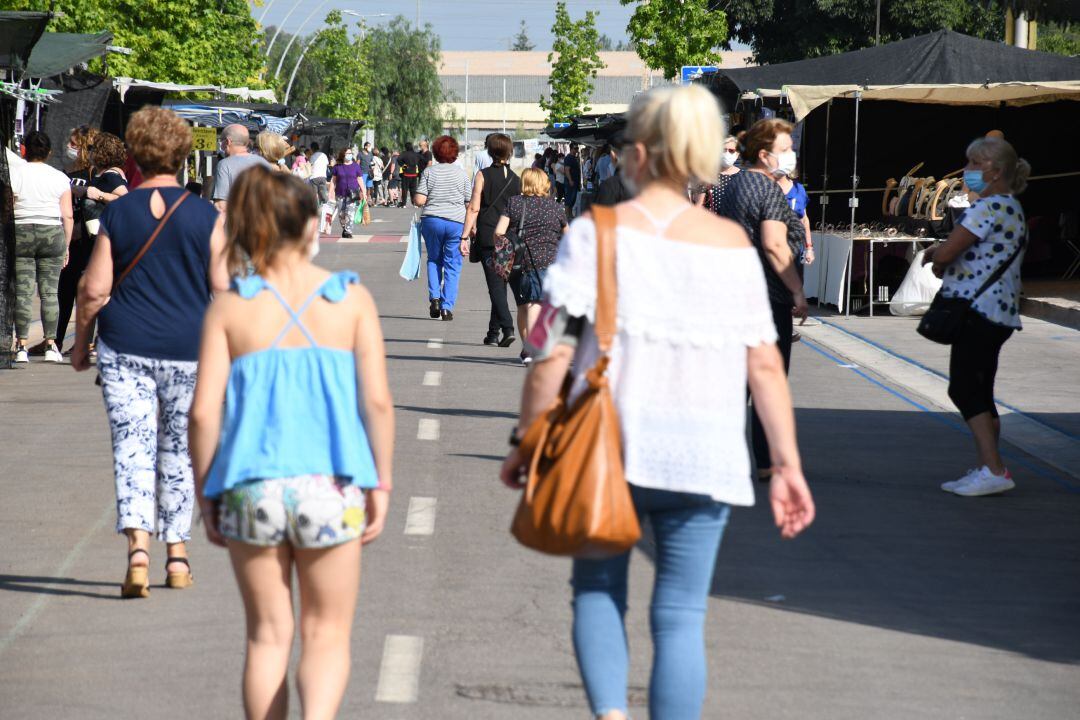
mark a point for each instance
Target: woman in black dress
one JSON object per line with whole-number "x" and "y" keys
{"x": 542, "y": 222}
{"x": 492, "y": 188}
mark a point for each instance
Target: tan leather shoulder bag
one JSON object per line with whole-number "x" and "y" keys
{"x": 577, "y": 501}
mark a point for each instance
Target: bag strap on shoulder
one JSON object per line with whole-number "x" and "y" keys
{"x": 146, "y": 246}
{"x": 996, "y": 275}
{"x": 606, "y": 278}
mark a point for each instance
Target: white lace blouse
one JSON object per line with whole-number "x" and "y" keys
{"x": 686, "y": 316}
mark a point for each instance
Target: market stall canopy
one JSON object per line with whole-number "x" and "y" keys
{"x": 19, "y": 32}
{"x": 56, "y": 53}
{"x": 595, "y": 130}
{"x": 218, "y": 117}
{"x": 936, "y": 62}
{"x": 124, "y": 84}
{"x": 804, "y": 98}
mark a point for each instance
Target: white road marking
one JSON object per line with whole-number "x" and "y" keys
{"x": 61, "y": 571}
{"x": 435, "y": 344}
{"x": 433, "y": 378}
{"x": 428, "y": 429}
{"x": 421, "y": 517}
{"x": 399, "y": 674}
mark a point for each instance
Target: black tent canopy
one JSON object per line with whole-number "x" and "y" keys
{"x": 944, "y": 60}
{"x": 56, "y": 53}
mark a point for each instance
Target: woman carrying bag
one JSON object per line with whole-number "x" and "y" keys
{"x": 980, "y": 268}
{"x": 677, "y": 372}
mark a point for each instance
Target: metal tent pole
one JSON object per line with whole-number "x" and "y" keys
{"x": 466, "y": 103}
{"x": 825, "y": 167}
{"x": 853, "y": 202}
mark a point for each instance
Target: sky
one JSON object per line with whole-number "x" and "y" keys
{"x": 462, "y": 24}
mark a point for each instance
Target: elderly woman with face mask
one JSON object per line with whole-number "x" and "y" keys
{"x": 991, "y": 234}
{"x": 753, "y": 199}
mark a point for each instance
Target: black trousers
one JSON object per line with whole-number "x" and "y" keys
{"x": 500, "y": 318}
{"x": 784, "y": 325}
{"x": 408, "y": 189}
{"x": 973, "y": 364}
{"x": 68, "y": 288}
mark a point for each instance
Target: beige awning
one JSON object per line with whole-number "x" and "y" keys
{"x": 805, "y": 98}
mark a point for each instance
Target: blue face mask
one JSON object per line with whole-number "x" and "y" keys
{"x": 974, "y": 181}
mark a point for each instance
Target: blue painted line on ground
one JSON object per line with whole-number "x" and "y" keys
{"x": 943, "y": 376}
{"x": 943, "y": 419}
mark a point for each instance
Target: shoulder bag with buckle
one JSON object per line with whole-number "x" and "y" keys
{"x": 577, "y": 501}
{"x": 508, "y": 255}
{"x": 944, "y": 320}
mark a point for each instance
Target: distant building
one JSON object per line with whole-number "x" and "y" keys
{"x": 502, "y": 89}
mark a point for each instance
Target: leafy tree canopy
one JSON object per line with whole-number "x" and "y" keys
{"x": 576, "y": 48}
{"x": 343, "y": 92}
{"x": 184, "y": 41}
{"x": 671, "y": 33}
{"x": 406, "y": 94}
{"x": 786, "y": 30}
{"x": 521, "y": 40}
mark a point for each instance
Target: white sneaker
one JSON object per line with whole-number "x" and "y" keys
{"x": 966, "y": 477}
{"x": 53, "y": 355}
{"x": 21, "y": 356}
{"x": 986, "y": 483}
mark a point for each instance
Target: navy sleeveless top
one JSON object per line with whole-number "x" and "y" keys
{"x": 157, "y": 311}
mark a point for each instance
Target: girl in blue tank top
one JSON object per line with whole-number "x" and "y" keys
{"x": 297, "y": 469}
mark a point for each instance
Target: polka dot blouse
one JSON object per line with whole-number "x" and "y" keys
{"x": 999, "y": 226}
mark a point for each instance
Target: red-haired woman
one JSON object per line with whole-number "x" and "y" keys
{"x": 442, "y": 192}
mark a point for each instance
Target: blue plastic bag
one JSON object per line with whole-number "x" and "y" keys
{"x": 410, "y": 267}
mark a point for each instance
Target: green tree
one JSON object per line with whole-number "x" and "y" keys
{"x": 406, "y": 94}
{"x": 786, "y": 30}
{"x": 521, "y": 40}
{"x": 576, "y": 46}
{"x": 671, "y": 33}
{"x": 343, "y": 89}
{"x": 185, "y": 41}
{"x": 1060, "y": 38}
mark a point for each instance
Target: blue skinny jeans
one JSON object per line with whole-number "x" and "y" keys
{"x": 687, "y": 529}
{"x": 442, "y": 238}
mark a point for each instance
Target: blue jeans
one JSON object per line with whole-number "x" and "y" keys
{"x": 687, "y": 529}
{"x": 442, "y": 238}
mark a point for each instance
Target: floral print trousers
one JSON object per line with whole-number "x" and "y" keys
{"x": 147, "y": 401}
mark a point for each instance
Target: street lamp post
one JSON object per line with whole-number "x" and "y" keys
{"x": 281, "y": 25}
{"x": 292, "y": 76}
{"x": 298, "y": 33}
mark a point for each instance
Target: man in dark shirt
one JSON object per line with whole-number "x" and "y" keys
{"x": 365, "y": 160}
{"x": 613, "y": 190}
{"x": 425, "y": 156}
{"x": 409, "y": 166}
{"x": 572, "y": 172}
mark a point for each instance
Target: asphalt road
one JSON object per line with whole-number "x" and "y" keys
{"x": 900, "y": 602}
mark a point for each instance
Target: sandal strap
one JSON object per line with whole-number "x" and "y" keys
{"x": 138, "y": 550}
{"x": 177, "y": 559}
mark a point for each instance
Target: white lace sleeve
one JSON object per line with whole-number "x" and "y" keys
{"x": 571, "y": 280}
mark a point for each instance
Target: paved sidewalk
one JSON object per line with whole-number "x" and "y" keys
{"x": 901, "y": 602}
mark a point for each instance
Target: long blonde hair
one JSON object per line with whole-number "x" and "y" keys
{"x": 682, "y": 130}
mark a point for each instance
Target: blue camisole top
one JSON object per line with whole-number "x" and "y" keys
{"x": 292, "y": 411}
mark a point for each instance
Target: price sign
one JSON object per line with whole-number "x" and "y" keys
{"x": 204, "y": 138}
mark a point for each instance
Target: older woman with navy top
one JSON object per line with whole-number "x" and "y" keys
{"x": 297, "y": 471}
{"x": 158, "y": 256}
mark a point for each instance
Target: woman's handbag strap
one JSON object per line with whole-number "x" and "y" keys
{"x": 606, "y": 278}
{"x": 157, "y": 231}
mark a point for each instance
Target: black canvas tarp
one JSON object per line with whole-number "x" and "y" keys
{"x": 56, "y": 53}
{"x": 939, "y": 58}
{"x": 19, "y": 32}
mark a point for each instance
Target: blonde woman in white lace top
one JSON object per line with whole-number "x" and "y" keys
{"x": 694, "y": 327}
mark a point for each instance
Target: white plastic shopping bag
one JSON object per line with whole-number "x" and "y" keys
{"x": 915, "y": 294}
{"x": 326, "y": 217}
{"x": 410, "y": 266}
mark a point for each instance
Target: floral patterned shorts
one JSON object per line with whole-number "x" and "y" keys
{"x": 308, "y": 511}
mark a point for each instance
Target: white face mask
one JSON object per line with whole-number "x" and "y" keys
{"x": 730, "y": 158}
{"x": 71, "y": 153}
{"x": 348, "y": 157}
{"x": 786, "y": 162}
